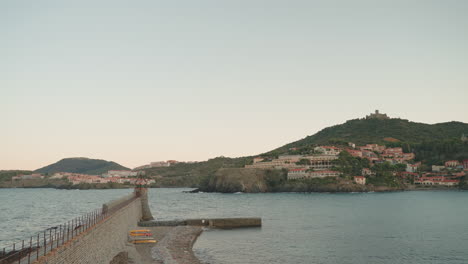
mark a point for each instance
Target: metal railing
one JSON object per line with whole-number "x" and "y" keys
{"x": 30, "y": 249}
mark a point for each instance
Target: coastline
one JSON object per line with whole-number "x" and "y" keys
{"x": 318, "y": 190}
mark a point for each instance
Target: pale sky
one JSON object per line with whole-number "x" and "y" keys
{"x": 141, "y": 81}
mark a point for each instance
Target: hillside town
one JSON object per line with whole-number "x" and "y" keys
{"x": 112, "y": 176}
{"x": 321, "y": 162}
{"x": 159, "y": 164}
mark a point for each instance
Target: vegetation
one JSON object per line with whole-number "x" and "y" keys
{"x": 384, "y": 175}
{"x": 365, "y": 131}
{"x": 6, "y": 175}
{"x": 349, "y": 165}
{"x": 303, "y": 162}
{"x": 81, "y": 165}
{"x": 274, "y": 179}
{"x": 308, "y": 185}
{"x": 193, "y": 174}
{"x": 464, "y": 183}
{"x": 435, "y": 152}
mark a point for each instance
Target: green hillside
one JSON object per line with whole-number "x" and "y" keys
{"x": 431, "y": 143}
{"x": 82, "y": 165}
{"x": 191, "y": 174}
{"x": 363, "y": 131}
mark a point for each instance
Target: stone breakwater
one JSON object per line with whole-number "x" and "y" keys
{"x": 222, "y": 223}
{"x": 174, "y": 245}
{"x": 176, "y": 238}
{"x": 102, "y": 242}
{"x": 107, "y": 240}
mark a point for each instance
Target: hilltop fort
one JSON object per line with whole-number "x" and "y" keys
{"x": 377, "y": 115}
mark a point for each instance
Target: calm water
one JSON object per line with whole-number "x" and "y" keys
{"x": 404, "y": 227}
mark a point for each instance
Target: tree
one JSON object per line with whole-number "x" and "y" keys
{"x": 303, "y": 162}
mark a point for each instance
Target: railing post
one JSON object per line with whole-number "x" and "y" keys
{"x": 45, "y": 245}
{"x": 21, "y": 252}
{"x": 37, "y": 249}
{"x": 30, "y": 250}
{"x": 63, "y": 233}
{"x": 56, "y": 238}
{"x": 51, "y": 239}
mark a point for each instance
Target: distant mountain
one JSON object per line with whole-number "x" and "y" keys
{"x": 82, "y": 165}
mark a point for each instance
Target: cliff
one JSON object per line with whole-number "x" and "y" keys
{"x": 234, "y": 180}
{"x": 231, "y": 180}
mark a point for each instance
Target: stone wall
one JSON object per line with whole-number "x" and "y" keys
{"x": 103, "y": 242}
{"x": 223, "y": 223}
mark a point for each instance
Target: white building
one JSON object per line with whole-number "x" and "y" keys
{"x": 412, "y": 167}
{"x": 437, "y": 168}
{"x": 120, "y": 173}
{"x": 297, "y": 173}
{"x": 303, "y": 174}
{"x": 360, "y": 180}
{"x": 159, "y": 164}
{"x": 328, "y": 150}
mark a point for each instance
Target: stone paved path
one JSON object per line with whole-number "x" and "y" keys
{"x": 174, "y": 245}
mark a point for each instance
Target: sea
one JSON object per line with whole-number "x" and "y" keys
{"x": 395, "y": 227}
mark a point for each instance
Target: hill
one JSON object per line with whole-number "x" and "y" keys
{"x": 364, "y": 131}
{"x": 432, "y": 143}
{"x": 81, "y": 165}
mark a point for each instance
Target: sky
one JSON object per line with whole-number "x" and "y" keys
{"x": 142, "y": 81}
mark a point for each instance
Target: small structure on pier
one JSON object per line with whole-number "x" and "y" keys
{"x": 141, "y": 190}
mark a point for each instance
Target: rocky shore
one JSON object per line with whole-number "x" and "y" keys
{"x": 174, "y": 245}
